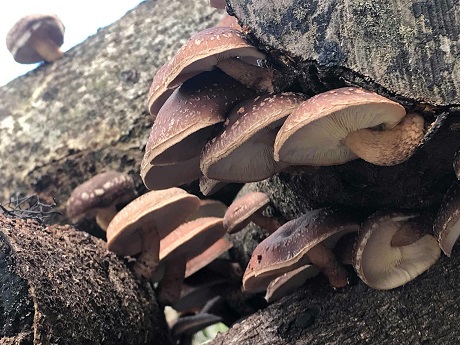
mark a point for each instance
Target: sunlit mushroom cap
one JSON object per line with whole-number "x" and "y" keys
{"x": 243, "y": 150}
{"x": 199, "y": 54}
{"x": 161, "y": 211}
{"x": 447, "y": 223}
{"x": 382, "y": 265}
{"x": 100, "y": 191}
{"x": 192, "y": 238}
{"x": 238, "y": 214}
{"x": 285, "y": 249}
{"x": 19, "y": 40}
{"x": 313, "y": 134}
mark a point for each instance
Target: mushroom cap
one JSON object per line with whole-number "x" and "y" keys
{"x": 193, "y": 323}
{"x": 388, "y": 147}
{"x": 209, "y": 208}
{"x": 191, "y": 238}
{"x": 457, "y": 165}
{"x": 187, "y": 119}
{"x": 447, "y": 223}
{"x": 199, "y": 54}
{"x": 162, "y": 211}
{"x": 100, "y": 191}
{"x": 210, "y": 186}
{"x": 231, "y": 22}
{"x": 240, "y": 211}
{"x": 313, "y": 134}
{"x": 289, "y": 282}
{"x": 196, "y": 263}
{"x": 27, "y": 29}
{"x": 286, "y": 248}
{"x": 383, "y": 266}
{"x": 157, "y": 176}
{"x": 243, "y": 150}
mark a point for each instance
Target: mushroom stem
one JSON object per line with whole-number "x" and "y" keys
{"x": 105, "y": 215}
{"x": 268, "y": 223}
{"x": 47, "y": 49}
{"x": 171, "y": 284}
{"x": 251, "y": 76}
{"x": 387, "y": 147}
{"x": 323, "y": 258}
{"x": 147, "y": 263}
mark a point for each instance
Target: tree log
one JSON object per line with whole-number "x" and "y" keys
{"x": 62, "y": 286}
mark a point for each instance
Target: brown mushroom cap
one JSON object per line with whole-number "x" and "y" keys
{"x": 239, "y": 213}
{"x": 231, "y": 22}
{"x": 162, "y": 210}
{"x": 35, "y": 38}
{"x": 209, "y": 208}
{"x": 210, "y": 186}
{"x": 289, "y": 282}
{"x": 383, "y": 266}
{"x": 99, "y": 194}
{"x": 187, "y": 119}
{"x": 191, "y": 324}
{"x": 243, "y": 150}
{"x": 447, "y": 223}
{"x": 192, "y": 238}
{"x": 286, "y": 249}
{"x": 388, "y": 147}
{"x": 313, "y": 134}
{"x": 199, "y": 54}
{"x": 196, "y": 263}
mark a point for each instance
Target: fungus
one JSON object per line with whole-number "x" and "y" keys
{"x": 209, "y": 208}
{"x": 140, "y": 225}
{"x": 384, "y": 263}
{"x": 388, "y": 147}
{"x": 249, "y": 208}
{"x": 446, "y": 225}
{"x": 185, "y": 242}
{"x": 35, "y": 38}
{"x": 199, "y": 54}
{"x": 185, "y": 123}
{"x": 289, "y": 282}
{"x": 210, "y": 186}
{"x": 313, "y": 134}
{"x": 298, "y": 242}
{"x": 99, "y": 196}
{"x": 196, "y": 263}
{"x": 243, "y": 150}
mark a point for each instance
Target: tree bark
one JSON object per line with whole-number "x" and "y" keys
{"x": 61, "y": 286}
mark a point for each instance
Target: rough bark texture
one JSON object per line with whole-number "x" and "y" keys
{"x": 86, "y": 113}
{"x": 409, "y": 48}
{"x": 425, "y": 311}
{"x": 61, "y": 286}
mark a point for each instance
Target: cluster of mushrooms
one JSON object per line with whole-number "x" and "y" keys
{"x": 220, "y": 117}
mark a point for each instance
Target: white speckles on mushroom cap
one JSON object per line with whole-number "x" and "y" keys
{"x": 313, "y": 133}
{"x": 447, "y": 223}
{"x": 243, "y": 150}
{"x": 285, "y": 249}
{"x": 19, "y": 37}
{"x": 162, "y": 211}
{"x": 186, "y": 120}
{"x": 382, "y": 266}
{"x": 192, "y": 238}
{"x": 240, "y": 211}
{"x": 199, "y": 54}
{"x": 102, "y": 190}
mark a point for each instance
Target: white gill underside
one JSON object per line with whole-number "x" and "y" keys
{"x": 448, "y": 241}
{"x": 320, "y": 142}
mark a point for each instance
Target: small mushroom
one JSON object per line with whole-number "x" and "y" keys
{"x": 288, "y": 282}
{"x": 249, "y": 208}
{"x": 210, "y": 186}
{"x": 388, "y": 147}
{"x": 447, "y": 223}
{"x": 35, "y": 38}
{"x": 99, "y": 196}
{"x": 298, "y": 242}
{"x": 199, "y": 54}
{"x": 384, "y": 263}
{"x": 314, "y": 133}
{"x": 140, "y": 225}
{"x": 188, "y": 325}
{"x": 243, "y": 150}
{"x": 185, "y": 242}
